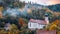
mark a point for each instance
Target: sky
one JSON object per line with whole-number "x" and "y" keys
{"x": 44, "y": 2}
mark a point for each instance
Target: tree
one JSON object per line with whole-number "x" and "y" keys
{"x": 13, "y": 3}
{"x": 14, "y": 27}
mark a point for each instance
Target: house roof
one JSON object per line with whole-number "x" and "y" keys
{"x": 46, "y": 32}
{"x": 38, "y": 21}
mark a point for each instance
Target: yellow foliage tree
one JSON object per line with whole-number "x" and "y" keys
{"x": 55, "y": 25}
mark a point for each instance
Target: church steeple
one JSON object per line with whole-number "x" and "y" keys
{"x": 46, "y": 18}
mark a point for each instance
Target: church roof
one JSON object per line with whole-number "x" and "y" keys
{"x": 38, "y": 21}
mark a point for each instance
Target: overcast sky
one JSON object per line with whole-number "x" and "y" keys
{"x": 44, "y": 2}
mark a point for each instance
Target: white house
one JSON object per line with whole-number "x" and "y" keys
{"x": 7, "y": 26}
{"x": 38, "y": 24}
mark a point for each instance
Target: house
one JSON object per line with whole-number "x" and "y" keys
{"x": 7, "y": 26}
{"x": 37, "y": 24}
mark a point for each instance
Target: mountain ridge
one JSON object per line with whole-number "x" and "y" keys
{"x": 55, "y": 8}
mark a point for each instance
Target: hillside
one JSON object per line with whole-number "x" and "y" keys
{"x": 34, "y": 11}
{"x": 55, "y": 8}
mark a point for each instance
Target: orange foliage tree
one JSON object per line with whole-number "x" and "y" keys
{"x": 21, "y": 21}
{"x": 1, "y": 8}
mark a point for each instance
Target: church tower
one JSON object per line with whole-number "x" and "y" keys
{"x": 47, "y": 18}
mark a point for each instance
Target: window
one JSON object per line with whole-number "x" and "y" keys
{"x": 39, "y": 26}
{"x": 32, "y": 25}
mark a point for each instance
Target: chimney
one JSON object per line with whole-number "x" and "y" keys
{"x": 46, "y": 18}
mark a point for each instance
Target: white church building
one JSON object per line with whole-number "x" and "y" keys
{"x": 38, "y": 24}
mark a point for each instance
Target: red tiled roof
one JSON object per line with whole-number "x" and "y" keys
{"x": 38, "y": 21}
{"x": 45, "y": 32}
